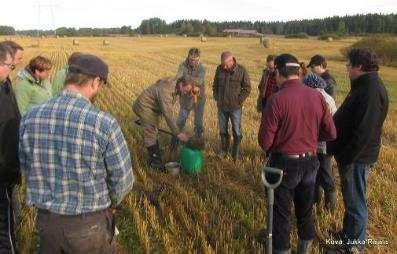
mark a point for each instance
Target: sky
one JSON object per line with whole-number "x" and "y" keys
{"x": 51, "y": 14}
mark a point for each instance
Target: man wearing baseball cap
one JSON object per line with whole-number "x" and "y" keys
{"x": 325, "y": 176}
{"x": 318, "y": 65}
{"x": 76, "y": 163}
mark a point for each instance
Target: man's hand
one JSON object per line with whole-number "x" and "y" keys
{"x": 183, "y": 137}
{"x": 196, "y": 90}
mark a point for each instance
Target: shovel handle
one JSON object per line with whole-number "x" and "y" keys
{"x": 277, "y": 171}
{"x": 138, "y": 122}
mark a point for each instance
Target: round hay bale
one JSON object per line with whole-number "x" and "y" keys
{"x": 265, "y": 41}
{"x": 35, "y": 44}
{"x": 76, "y": 42}
{"x": 330, "y": 39}
{"x": 105, "y": 43}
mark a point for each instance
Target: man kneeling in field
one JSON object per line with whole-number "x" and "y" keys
{"x": 154, "y": 102}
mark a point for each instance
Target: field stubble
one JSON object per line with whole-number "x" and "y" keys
{"x": 222, "y": 209}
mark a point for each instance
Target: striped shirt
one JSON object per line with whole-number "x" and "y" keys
{"x": 74, "y": 157}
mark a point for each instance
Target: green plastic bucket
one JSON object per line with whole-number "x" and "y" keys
{"x": 191, "y": 160}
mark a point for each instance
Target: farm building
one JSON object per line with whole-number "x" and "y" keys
{"x": 242, "y": 32}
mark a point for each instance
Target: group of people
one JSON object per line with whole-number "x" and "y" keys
{"x": 78, "y": 168}
{"x": 299, "y": 135}
{"x": 74, "y": 157}
{"x": 230, "y": 89}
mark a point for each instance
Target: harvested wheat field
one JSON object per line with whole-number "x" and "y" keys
{"x": 222, "y": 209}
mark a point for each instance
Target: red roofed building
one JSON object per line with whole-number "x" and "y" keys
{"x": 242, "y": 32}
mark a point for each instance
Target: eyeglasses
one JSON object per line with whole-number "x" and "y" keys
{"x": 10, "y": 65}
{"x": 103, "y": 81}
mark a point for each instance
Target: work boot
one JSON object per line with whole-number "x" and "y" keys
{"x": 330, "y": 201}
{"x": 155, "y": 160}
{"x": 236, "y": 148}
{"x": 281, "y": 251}
{"x": 225, "y": 144}
{"x": 304, "y": 247}
{"x": 317, "y": 195}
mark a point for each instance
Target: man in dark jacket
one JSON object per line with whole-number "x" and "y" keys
{"x": 359, "y": 123}
{"x": 318, "y": 65}
{"x": 293, "y": 121}
{"x": 9, "y": 164}
{"x": 230, "y": 89}
{"x": 325, "y": 175}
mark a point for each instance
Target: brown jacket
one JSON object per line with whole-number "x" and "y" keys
{"x": 157, "y": 100}
{"x": 231, "y": 88}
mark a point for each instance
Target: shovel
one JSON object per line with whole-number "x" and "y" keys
{"x": 194, "y": 143}
{"x": 270, "y": 202}
{"x": 138, "y": 122}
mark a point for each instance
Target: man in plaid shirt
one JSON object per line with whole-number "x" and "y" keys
{"x": 76, "y": 163}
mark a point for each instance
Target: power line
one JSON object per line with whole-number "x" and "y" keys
{"x": 40, "y": 6}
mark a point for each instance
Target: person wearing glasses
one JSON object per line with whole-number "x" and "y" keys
{"x": 34, "y": 88}
{"x": 17, "y": 50}
{"x": 359, "y": 122}
{"x": 76, "y": 163}
{"x": 9, "y": 164}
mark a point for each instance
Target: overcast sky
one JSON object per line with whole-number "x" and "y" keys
{"x": 25, "y": 14}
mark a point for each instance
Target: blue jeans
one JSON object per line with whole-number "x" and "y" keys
{"x": 235, "y": 118}
{"x": 198, "y": 117}
{"x": 354, "y": 179}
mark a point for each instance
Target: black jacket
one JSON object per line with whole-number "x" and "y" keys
{"x": 359, "y": 121}
{"x": 9, "y": 127}
{"x": 331, "y": 83}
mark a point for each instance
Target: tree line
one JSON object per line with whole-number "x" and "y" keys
{"x": 346, "y": 25}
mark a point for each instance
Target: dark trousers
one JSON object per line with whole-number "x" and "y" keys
{"x": 325, "y": 175}
{"x": 7, "y": 237}
{"x": 297, "y": 186}
{"x": 86, "y": 233}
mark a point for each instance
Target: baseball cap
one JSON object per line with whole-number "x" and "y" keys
{"x": 316, "y": 60}
{"x": 90, "y": 65}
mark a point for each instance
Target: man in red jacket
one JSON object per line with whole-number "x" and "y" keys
{"x": 293, "y": 121}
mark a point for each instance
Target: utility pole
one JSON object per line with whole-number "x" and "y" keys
{"x": 40, "y": 7}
